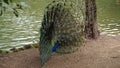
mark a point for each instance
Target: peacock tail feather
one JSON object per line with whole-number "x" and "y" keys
{"x": 62, "y": 27}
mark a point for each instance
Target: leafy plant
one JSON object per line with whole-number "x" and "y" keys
{"x": 6, "y": 5}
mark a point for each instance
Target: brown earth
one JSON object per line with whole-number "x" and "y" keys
{"x": 101, "y": 53}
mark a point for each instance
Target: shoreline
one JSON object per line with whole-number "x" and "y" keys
{"x": 14, "y": 49}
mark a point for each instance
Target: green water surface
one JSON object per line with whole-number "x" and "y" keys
{"x": 109, "y": 17}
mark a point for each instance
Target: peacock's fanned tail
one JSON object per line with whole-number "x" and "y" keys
{"x": 62, "y": 25}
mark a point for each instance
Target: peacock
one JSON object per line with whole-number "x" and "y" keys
{"x": 60, "y": 30}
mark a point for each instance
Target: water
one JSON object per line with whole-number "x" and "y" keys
{"x": 109, "y": 17}
{"x": 24, "y": 30}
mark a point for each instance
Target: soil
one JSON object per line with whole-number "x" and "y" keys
{"x": 101, "y": 53}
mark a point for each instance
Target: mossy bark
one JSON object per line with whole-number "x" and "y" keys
{"x": 91, "y": 26}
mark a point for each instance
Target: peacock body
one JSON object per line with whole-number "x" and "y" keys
{"x": 60, "y": 29}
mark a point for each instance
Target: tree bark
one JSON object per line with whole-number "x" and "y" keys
{"x": 91, "y": 27}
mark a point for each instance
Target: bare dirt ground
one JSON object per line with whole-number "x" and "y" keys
{"x": 101, "y": 53}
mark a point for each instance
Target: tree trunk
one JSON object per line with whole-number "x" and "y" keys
{"x": 91, "y": 27}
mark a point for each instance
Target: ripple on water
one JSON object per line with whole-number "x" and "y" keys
{"x": 18, "y": 39}
{"x": 110, "y": 29}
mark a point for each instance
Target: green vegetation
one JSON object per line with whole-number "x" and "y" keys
{"x": 7, "y": 5}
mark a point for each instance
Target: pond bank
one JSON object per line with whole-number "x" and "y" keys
{"x": 101, "y": 53}
{"x": 15, "y": 49}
